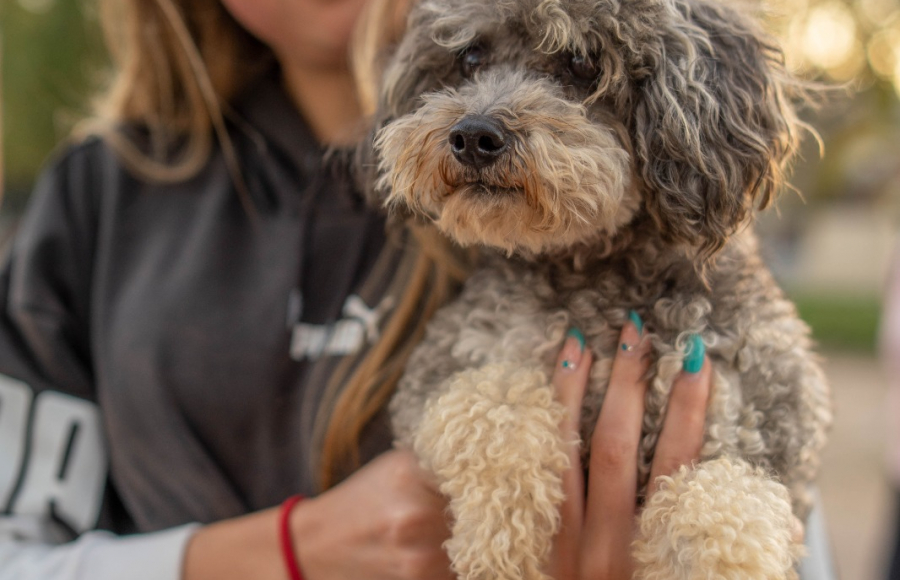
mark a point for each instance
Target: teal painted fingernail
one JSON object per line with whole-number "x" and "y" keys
{"x": 574, "y": 332}
{"x": 636, "y": 319}
{"x": 693, "y": 356}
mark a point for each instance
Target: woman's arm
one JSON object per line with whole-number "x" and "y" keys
{"x": 386, "y": 522}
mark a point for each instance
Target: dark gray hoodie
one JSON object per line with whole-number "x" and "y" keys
{"x": 164, "y": 351}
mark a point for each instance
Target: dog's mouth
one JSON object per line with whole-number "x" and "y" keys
{"x": 503, "y": 179}
{"x": 479, "y": 190}
{"x": 488, "y": 192}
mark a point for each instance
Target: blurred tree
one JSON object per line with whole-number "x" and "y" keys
{"x": 52, "y": 52}
{"x": 854, "y": 43}
{"x": 851, "y": 196}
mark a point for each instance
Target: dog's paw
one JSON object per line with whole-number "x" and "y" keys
{"x": 494, "y": 443}
{"x": 723, "y": 519}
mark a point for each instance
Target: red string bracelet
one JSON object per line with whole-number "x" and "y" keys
{"x": 284, "y": 536}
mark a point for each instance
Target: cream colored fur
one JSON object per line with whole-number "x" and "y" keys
{"x": 504, "y": 504}
{"x": 723, "y": 519}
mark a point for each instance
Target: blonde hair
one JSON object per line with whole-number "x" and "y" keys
{"x": 438, "y": 271}
{"x": 178, "y": 65}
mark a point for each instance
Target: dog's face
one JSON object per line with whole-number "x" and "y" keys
{"x": 537, "y": 126}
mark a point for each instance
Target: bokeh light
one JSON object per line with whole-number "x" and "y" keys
{"x": 829, "y": 35}
{"x": 841, "y": 40}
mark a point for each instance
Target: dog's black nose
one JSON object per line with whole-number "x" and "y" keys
{"x": 477, "y": 141}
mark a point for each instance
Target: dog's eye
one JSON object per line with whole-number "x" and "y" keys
{"x": 583, "y": 68}
{"x": 472, "y": 59}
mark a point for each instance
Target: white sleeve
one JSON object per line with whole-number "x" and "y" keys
{"x": 26, "y": 555}
{"x": 818, "y": 563}
{"x": 53, "y": 468}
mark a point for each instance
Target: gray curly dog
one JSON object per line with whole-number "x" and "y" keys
{"x": 607, "y": 155}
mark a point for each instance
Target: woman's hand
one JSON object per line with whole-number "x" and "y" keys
{"x": 596, "y": 534}
{"x": 385, "y": 522}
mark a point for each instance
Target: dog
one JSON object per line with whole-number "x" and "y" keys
{"x": 605, "y": 156}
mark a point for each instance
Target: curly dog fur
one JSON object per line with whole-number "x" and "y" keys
{"x": 607, "y": 156}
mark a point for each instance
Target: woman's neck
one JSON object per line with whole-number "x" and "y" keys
{"x": 326, "y": 96}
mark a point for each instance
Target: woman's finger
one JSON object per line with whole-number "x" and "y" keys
{"x": 612, "y": 485}
{"x": 682, "y": 434}
{"x": 570, "y": 378}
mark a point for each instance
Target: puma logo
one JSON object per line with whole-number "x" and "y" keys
{"x": 359, "y": 325}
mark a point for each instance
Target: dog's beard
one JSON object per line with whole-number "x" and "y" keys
{"x": 562, "y": 181}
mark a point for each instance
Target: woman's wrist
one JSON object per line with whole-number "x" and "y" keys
{"x": 238, "y": 548}
{"x": 306, "y": 528}
{"x": 286, "y": 537}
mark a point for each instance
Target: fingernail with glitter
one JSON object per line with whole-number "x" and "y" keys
{"x": 694, "y": 354}
{"x": 631, "y": 339}
{"x": 572, "y": 350}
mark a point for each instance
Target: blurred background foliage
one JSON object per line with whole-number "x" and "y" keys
{"x": 52, "y": 61}
{"x": 856, "y": 44}
{"x": 830, "y": 246}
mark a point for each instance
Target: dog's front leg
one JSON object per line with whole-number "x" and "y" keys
{"x": 720, "y": 519}
{"x": 493, "y": 440}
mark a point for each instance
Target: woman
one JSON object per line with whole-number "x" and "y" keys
{"x": 200, "y": 318}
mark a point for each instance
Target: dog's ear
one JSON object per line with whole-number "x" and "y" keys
{"x": 713, "y": 123}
